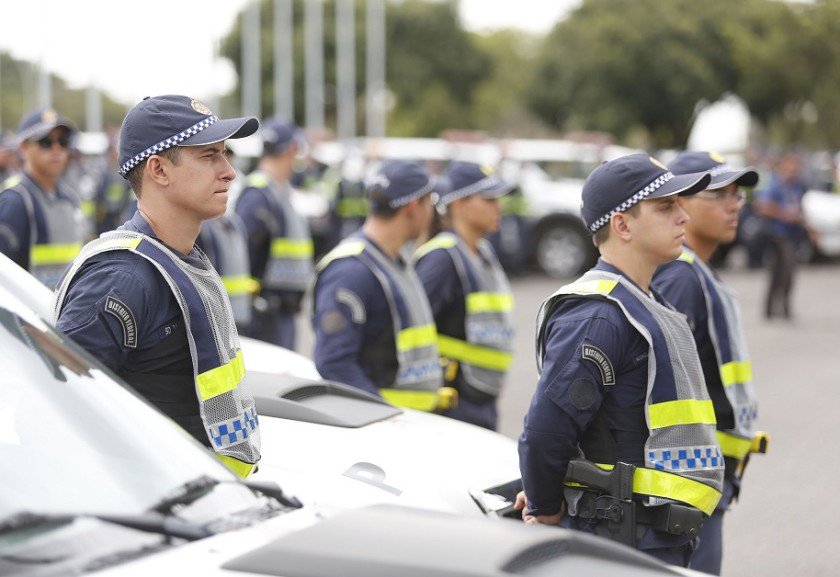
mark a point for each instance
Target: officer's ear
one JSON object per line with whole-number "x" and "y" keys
{"x": 156, "y": 169}
{"x": 620, "y": 226}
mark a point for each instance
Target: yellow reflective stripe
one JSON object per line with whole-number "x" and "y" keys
{"x": 440, "y": 241}
{"x": 417, "y": 400}
{"x": 88, "y": 208}
{"x": 222, "y": 379}
{"x": 480, "y": 302}
{"x": 676, "y": 487}
{"x": 129, "y": 243}
{"x": 686, "y": 257}
{"x": 240, "y": 284}
{"x": 733, "y": 445}
{"x": 590, "y": 286}
{"x": 465, "y": 352}
{"x": 343, "y": 250}
{"x": 687, "y": 412}
{"x": 670, "y": 486}
{"x": 257, "y": 180}
{"x": 46, "y": 254}
{"x": 290, "y": 248}
{"x": 241, "y": 468}
{"x": 352, "y": 207}
{"x": 416, "y": 337}
{"x": 736, "y": 372}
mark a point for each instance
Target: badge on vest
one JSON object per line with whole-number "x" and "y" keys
{"x": 603, "y": 363}
{"x": 125, "y": 317}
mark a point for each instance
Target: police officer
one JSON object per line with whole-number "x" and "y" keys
{"x": 114, "y": 201}
{"x": 279, "y": 242}
{"x": 620, "y": 382}
{"x": 373, "y": 325}
{"x": 42, "y": 227}
{"x": 692, "y": 287}
{"x": 146, "y": 302}
{"x": 225, "y": 242}
{"x": 469, "y": 293}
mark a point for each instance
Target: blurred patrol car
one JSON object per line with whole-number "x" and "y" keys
{"x": 345, "y": 448}
{"x": 98, "y": 482}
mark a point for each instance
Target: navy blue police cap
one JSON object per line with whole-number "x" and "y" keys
{"x": 722, "y": 173}
{"x": 400, "y": 182}
{"x": 161, "y": 122}
{"x": 39, "y": 123}
{"x": 618, "y": 185}
{"x": 468, "y": 178}
{"x": 278, "y": 135}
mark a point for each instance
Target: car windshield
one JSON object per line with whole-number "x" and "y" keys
{"x": 73, "y": 440}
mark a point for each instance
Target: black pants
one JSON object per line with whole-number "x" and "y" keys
{"x": 777, "y": 302}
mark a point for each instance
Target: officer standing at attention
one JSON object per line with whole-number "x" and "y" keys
{"x": 469, "y": 293}
{"x": 620, "y": 382}
{"x": 146, "y": 302}
{"x": 690, "y": 285}
{"x": 42, "y": 226}
{"x": 279, "y": 243}
{"x": 373, "y": 325}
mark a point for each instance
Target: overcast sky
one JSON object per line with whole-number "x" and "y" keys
{"x": 135, "y": 49}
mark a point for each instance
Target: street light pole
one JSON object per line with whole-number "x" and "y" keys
{"x": 345, "y": 24}
{"x": 284, "y": 79}
{"x": 314, "y": 60}
{"x": 251, "y": 105}
{"x": 376, "y": 96}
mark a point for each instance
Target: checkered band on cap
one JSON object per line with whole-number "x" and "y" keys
{"x": 174, "y": 140}
{"x": 633, "y": 200}
{"x": 29, "y": 132}
{"x": 485, "y": 183}
{"x": 404, "y": 200}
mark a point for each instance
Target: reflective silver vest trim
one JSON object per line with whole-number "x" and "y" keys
{"x": 233, "y": 266}
{"x": 225, "y": 401}
{"x": 688, "y": 449}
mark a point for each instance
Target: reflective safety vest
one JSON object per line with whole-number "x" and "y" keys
{"x": 52, "y": 249}
{"x": 683, "y": 461}
{"x": 725, "y": 328}
{"x": 486, "y": 354}
{"x": 225, "y": 402}
{"x": 351, "y": 207}
{"x": 290, "y": 265}
{"x": 231, "y": 252}
{"x": 419, "y": 378}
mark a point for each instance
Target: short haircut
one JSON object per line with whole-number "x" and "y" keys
{"x": 379, "y": 206}
{"x": 135, "y": 175}
{"x": 603, "y": 233}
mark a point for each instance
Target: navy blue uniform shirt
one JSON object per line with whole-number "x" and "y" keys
{"x": 15, "y": 236}
{"x": 156, "y": 358}
{"x": 351, "y": 319}
{"x": 262, "y": 224}
{"x": 442, "y": 284}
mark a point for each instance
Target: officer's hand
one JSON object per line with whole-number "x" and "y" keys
{"x": 521, "y": 504}
{"x": 521, "y": 501}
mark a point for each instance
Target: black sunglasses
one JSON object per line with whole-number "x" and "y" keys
{"x": 47, "y": 142}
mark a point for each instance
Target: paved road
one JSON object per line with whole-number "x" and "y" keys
{"x": 790, "y": 507}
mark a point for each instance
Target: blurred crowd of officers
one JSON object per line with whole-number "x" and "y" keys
{"x": 410, "y": 302}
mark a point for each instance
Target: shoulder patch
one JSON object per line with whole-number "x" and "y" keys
{"x": 358, "y": 314}
{"x": 123, "y": 314}
{"x": 597, "y": 356}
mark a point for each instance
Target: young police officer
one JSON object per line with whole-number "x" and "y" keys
{"x": 146, "y": 302}
{"x": 620, "y": 382}
{"x": 42, "y": 227}
{"x": 714, "y": 317}
{"x": 469, "y": 293}
{"x": 279, "y": 243}
{"x": 374, "y": 328}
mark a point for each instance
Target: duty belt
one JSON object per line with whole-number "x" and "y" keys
{"x": 609, "y": 497}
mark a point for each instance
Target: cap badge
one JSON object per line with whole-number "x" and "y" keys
{"x": 717, "y": 157}
{"x": 657, "y": 163}
{"x": 200, "y": 107}
{"x": 487, "y": 169}
{"x": 49, "y": 116}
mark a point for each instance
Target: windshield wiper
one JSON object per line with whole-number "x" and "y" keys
{"x": 149, "y": 523}
{"x": 185, "y": 494}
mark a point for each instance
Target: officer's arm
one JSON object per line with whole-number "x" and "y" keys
{"x": 106, "y": 311}
{"x": 14, "y": 227}
{"x": 342, "y": 304}
{"x": 440, "y": 280}
{"x": 569, "y": 393}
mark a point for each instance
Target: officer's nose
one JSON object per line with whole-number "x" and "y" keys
{"x": 228, "y": 172}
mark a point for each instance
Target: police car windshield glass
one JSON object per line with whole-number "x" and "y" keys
{"x": 73, "y": 439}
